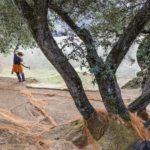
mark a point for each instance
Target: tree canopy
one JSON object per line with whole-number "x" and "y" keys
{"x": 106, "y": 20}
{"x": 12, "y": 27}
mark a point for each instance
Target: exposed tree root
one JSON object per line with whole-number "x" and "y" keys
{"x": 38, "y": 105}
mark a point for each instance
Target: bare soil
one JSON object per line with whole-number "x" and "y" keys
{"x": 33, "y": 111}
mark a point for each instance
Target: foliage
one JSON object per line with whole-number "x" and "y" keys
{"x": 143, "y": 53}
{"x": 12, "y": 28}
{"x": 105, "y": 19}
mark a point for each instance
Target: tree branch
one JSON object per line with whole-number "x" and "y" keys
{"x": 24, "y": 8}
{"x": 121, "y": 47}
{"x": 146, "y": 31}
{"x": 41, "y": 8}
{"x": 140, "y": 103}
{"x": 83, "y": 34}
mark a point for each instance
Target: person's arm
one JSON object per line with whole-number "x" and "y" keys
{"x": 25, "y": 66}
{"x": 16, "y": 48}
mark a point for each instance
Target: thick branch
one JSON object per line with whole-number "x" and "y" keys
{"x": 140, "y": 103}
{"x": 25, "y": 9}
{"x": 121, "y": 47}
{"x": 83, "y": 34}
{"x": 146, "y": 31}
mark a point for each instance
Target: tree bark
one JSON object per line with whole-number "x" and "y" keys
{"x": 111, "y": 95}
{"x": 108, "y": 86}
{"x": 141, "y": 102}
{"x": 146, "y": 87}
{"x": 37, "y": 21}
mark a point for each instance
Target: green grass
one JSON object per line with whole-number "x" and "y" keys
{"x": 51, "y": 77}
{"x": 118, "y": 137}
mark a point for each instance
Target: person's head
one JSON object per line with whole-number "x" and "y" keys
{"x": 20, "y": 54}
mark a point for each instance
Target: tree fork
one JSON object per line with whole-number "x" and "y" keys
{"x": 114, "y": 105}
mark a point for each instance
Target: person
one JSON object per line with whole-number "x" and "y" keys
{"x": 17, "y": 66}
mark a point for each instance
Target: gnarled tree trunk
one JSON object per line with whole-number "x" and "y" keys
{"x": 108, "y": 86}
{"x": 36, "y": 18}
{"x": 106, "y": 80}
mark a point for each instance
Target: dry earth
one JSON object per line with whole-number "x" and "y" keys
{"x": 26, "y": 113}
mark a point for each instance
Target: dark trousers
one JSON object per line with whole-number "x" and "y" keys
{"x": 21, "y": 76}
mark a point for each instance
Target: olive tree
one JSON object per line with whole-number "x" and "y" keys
{"x": 36, "y": 15}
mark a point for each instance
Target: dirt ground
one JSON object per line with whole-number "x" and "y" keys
{"x": 33, "y": 111}
{"x": 58, "y": 104}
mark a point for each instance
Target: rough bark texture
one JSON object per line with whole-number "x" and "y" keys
{"x": 141, "y": 102}
{"x": 111, "y": 95}
{"x": 93, "y": 124}
{"x": 108, "y": 86}
{"x": 146, "y": 87}
{"x": 37, "y": 21}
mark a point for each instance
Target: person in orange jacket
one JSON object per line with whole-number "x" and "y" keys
{"x": 18, "y": 66}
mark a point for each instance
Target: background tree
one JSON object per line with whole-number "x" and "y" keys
{"x": 13, "y": 30}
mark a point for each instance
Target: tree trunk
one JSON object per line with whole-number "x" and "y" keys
{"x": 146, "y": 87}
{"x": 107, "y": 83}
{"x": 141, "y": 102}
{"x": 108, "y": 87}
{"x": 142, "y": 113}
{"x": 111, "y": 95}
{"x": 37, "y": 22}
